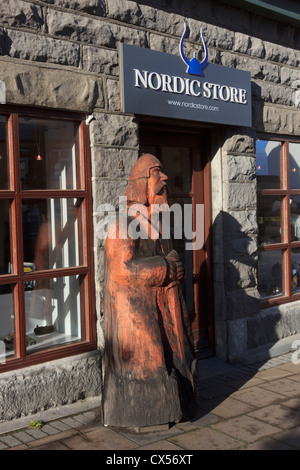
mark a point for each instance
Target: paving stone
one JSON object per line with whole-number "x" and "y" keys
{"x": 268, "y": 444}
{"x": 246, "y": 428}
{"x": 71, "y": 422}
{"x": 215, "y": 391}
{"x": 161, "y": 445}
{"x": 3, "y": 445}
{"x": 60, "y": 426}
{"x": 205, "y": 420}
{"x": 24, "y": 437}
{"x": 283, "y": 386}
{"x": 52, "y": 446}
{"x": 143, "y": 439}
{"x": 36, "y": 433}
{"x": 293, "y": 403}
{"x": 257, "y": 396}
{"x": 55, "y": 438}
{"x": 50, "y": 430}
{"x": 10, "y": 440}
{"x": 273, "y": 373}
{"x": 278, "y": 415}
{"x": 205, "y": 439}
{"x": 291, "y": 437}
{"x": 100, "y": 439}
{"x": 241, "y": 383}
{"x": 227, "y": 408}
{"x": 83, "y": 419}
{"x": 289, "y": 366}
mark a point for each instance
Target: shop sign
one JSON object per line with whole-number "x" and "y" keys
{"x": 158, "y": 84}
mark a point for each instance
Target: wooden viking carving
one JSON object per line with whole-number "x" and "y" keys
{"x": 148, "y": 352}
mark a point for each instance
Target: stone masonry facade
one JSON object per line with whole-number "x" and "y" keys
{"x": 63, "y": 54}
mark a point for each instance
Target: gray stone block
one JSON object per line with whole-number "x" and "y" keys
{"x": 93, "y": 7}
{"x": 91, "y": 30}
{"x": 115, "y": 130}
{"x": 239, "y": 140}
{"x": 104, "y": 61}
{"x": 239, "y": 168}
{"x": 248, "y": 45}
{"x": 53, "y": 384}
{"x": 112, "y": 162}
{"x": 21, "y": 14}
{"x": 242, "y": 303}
{"x": 240, "y": 195}
{"x": 34, "y": 47}
{"x": 54, "y": 88}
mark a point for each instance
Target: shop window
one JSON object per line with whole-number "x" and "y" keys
{"x": 278, "y": 183}
{"x": 46, "y": 275}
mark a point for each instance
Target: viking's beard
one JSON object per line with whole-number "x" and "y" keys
{"x": 160, "y": 195}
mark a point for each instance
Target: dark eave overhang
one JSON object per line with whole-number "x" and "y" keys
{"x": 286, "y": 11}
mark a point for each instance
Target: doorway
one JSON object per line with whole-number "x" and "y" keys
{"x": 184, "y": 155}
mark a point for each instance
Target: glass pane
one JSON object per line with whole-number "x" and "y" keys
{"x": 295, "y": 254}
{"x": 54, "y": 309}
{"x": 51, "y": 230}
{"x": 5, "y": 240}
{"x": 270, "y": 273}
{"x": 295, "y": 218}
{"x": 4, "y": 178}
{"x": 177, "y": 166}
{"x": 294, "y": 150}
{"x": 47, "y": 154}
{"x": 269, "y": 219}
{"x": 268, "y": 164}
{"x": 7, "y": 343}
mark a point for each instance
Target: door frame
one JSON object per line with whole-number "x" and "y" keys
{"x": 201, "y": 160}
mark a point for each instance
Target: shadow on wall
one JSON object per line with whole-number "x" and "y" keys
{"x": 251, "y": 331}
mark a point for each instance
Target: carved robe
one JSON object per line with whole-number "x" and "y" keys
{"x": 147, "y": 351}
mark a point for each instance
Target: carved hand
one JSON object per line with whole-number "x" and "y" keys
{"x": 176, "y": 269}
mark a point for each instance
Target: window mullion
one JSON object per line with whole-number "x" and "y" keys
{"x": 20, "y": 327}
{"x": 286, "y": 221}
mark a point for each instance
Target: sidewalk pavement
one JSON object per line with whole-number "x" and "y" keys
{"x": 254, "y": 407}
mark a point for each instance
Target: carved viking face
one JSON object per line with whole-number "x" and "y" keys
{"x": 147, "y": 183}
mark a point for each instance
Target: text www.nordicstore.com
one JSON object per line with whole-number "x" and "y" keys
{"x": 188, "y": 104}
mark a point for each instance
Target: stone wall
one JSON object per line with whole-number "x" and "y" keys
{"x": 63, "y": 54}
{"x": 25, "y": 392}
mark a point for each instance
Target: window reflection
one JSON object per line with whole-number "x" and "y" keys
{"x": 295, "y": 218}
{"x": 5, "y": 244}
{"x": 295, "y": 254}
{"x": 268, "y": 164}
{"x": 54, "y": 309}
{"x": 7, "y": 337}
{"x": 51, "y": 233}
{"x": 270, "y": 273}
{"x": 269, "y": 219}
{"x": 47, "y": 154}
{"x": 294, "y": 165}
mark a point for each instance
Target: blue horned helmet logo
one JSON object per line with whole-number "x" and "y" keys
{"x": 194, "y": 66}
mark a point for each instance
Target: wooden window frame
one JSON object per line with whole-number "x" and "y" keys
{"x": 17, "y": 278}
{"x": 286, "y": 245}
